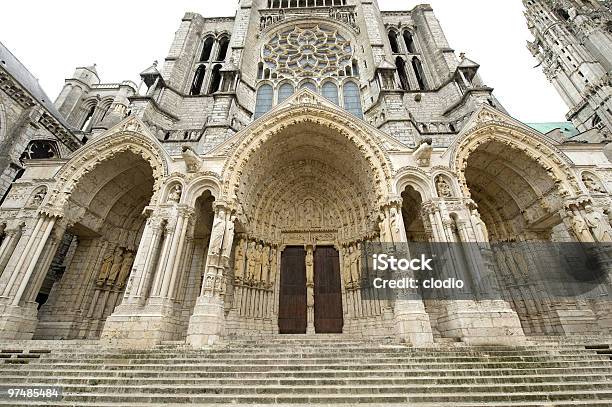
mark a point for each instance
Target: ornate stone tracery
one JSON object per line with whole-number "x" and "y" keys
{"x": 307, "y": 51}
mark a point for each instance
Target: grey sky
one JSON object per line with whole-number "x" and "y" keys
{"x": 123, "y": 37}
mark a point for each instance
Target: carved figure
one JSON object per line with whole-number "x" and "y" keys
{"x": 192, "y": 160}
{"x": 309, "y": 267}
{"x": 39, "y": 197}
{"x": 175, "y": 194}
{"x": 116, "y": 266}
{"x": 444, "y": 189}
{"x": 480, "y": 228}
{"x": 239, "y": 257}
{"x": 598, "y": 226}
{"x": 592, "y": 185}
{"x": 580, "y": 227}
{"x": 126, "y": 267}
{"x": 217, "y": 233}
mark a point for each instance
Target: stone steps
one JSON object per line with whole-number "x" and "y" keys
{"x": 465, "y": 396}
{"x": 332, "y": 370}
{"x": 98, "y": 378}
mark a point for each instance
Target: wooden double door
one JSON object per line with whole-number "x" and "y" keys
{"x": 293, "y": 309}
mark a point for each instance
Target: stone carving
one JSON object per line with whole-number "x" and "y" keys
{"x": 239, "y": 260}
{"x": 423, "y": 153}
{"x": 175, "y": 194}
{"x": 443, "y": 188}
{"x": 110, "y": 266}
{"x": 39, "y": 197}
{"x": 126, "y": 267}
{"x": 598, "y": 225}
{"x": 307, "y": 51}
{"x": 217, "y": 233}
{"x": 592, "y": 184}
{"x": 580, "y": 227}
{"x": 480, "y": 228}
{"x": 309, "y": 266}
{"x": 192, "y": 160}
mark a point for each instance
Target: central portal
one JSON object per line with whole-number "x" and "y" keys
{"x": 295, "y": 312}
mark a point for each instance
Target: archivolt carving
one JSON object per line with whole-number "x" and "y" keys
{"x": 102, "y": 150}
{"x": 307, "y": 171}
{"x": 538, "y": 150}
{"x": 311, "y": 116}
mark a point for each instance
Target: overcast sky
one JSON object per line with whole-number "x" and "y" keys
{"x": 124, "y": 37}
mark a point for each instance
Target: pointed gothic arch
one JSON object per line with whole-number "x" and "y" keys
{"x": 127, "y": 136}
{"x": 328, "y": 129}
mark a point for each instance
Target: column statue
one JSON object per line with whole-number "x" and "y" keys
{"x": 251, "y": 252}
{"x": 239, "y": 258}
{"x": 217, "y": 233}
{"x": 105, "y": 268}
{"x": 126, "y": 267}
{"x": 580, "y": 227}
{"x": 265, "y": 265}
{"x": 598, "y": 226}
{"x": 116, "y": 266}
{"x": 175, "y": 194}
{"x": 480, "y": 228}
{"x": 309, "y": 267}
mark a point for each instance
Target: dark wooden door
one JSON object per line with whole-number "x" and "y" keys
{"x": 328, "y": 291}
{"x": 292, "y": 307}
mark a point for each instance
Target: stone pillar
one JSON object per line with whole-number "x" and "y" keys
{"x": 25, "y": 272}
{"x": 147, "y": 317}
{"x": 310, "y": 295}
{"x": 144, "y": 264}
{"x": 207, "y": 324}
{"x": 410, "y": 318}
{"x": 11, "y": 239}
{"x": 486, "y": 321}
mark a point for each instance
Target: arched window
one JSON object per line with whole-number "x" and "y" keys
{"x": 260, "y": 70}
{"x": 206, "y": 51}
{"x": 393, "y": 42}
{"x": 309, "y": 85}
{"x": 215, "y": 79}
{"x": 88, "y": 119}
{"x": 263, "y": 103}
{"x": 198, "y": 80}
{"x": 40, "y": 150}
{"x": 223, "y": 47}
{"x": 355, "y": 68}
{"x": 330, "y": 92}
{"x": 596, "y": 120}
{"x": 563, "y": 14}
{"x": 352, "y": 99}
{"x": 401, "y": 71}
{"x": 285, "y": 91}
{"x": 409, "y": 41}
{"x": 420, "y": 74}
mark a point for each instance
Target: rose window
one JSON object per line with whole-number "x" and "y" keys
{"x": 307, "y": 51}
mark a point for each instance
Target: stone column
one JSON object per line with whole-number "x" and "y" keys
{"x": 11, "y": 239}
{"x": 31, "y": 258}
{"x": 144, "y": 264}
{"x": 310, "y": 295}
{"x": 410, "y": 318}
{"x": 207, "y": 324}
{"x": 490, "y": 321}
{"x": 142, "y": 321}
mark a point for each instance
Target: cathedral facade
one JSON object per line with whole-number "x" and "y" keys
{"x": 234, "y": 191}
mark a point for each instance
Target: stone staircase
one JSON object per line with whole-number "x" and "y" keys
{"x": 324, "y": 370}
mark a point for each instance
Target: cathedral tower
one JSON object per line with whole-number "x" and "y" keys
{"x": 573, "y": 44}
